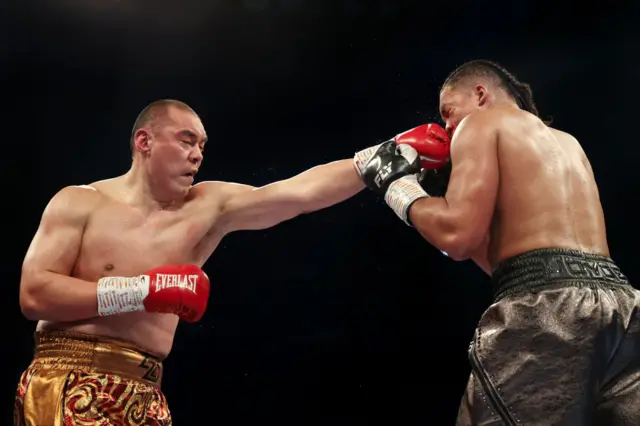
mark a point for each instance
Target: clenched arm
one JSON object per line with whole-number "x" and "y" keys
{"x": 47, "y": 292}
{"x": 248, "y": 208}
{"x": 459, "y": 222}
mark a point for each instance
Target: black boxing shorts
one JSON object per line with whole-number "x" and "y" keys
{"x": 560, "y": 345}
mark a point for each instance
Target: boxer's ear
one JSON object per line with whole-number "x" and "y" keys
{"x": 142, "y": 140}
{"x": 481, "y": 94}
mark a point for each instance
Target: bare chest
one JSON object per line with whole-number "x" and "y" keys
{"x": 118, "y": 240}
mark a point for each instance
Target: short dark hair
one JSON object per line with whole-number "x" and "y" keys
{"x": 519, "y": 91}
{"x": 151, "y": 112}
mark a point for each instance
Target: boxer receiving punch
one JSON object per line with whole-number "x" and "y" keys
{"x": 114, "y": 265}
{"x": 560, "y": 345}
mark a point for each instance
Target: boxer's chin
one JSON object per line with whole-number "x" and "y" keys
{"x": 183, "y": 184}
{"x": 177, "y": 189}
{"x": 185, "y": 180}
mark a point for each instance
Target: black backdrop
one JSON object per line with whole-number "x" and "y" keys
{"x": 346, "y": 315}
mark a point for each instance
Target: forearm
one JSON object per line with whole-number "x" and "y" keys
{"x": 326, "y": 185}
{"x": 434, "y": 220}
{"x": 54, "y": 297}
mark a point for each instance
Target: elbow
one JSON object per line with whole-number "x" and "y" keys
{"x": 29, "y": 307}
{"x": 30, "y": 304}
{"x": 451, "y": 231}
{"x": 446, "y": 237}
{"x": 458, "y": 246}
{"x": 454, "y": 249}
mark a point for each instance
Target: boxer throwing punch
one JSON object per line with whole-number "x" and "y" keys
{"x": 560, "y": 343}
{"x": 114, "y": 265}
{"x": 424, "y": 148}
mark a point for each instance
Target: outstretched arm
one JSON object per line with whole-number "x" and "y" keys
{"x": 458, "y": 223}
{"x": 249, "y": 208}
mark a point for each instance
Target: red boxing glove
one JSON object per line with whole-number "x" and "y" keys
{"x": 178, "y": 289}
{"x": 432, "y": 143}
{"x": 182, "y": 290}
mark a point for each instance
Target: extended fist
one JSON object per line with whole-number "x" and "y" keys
{"x": 430, "y": 141}
{"x": 397, "y": 168}
{"x": 389, "y": 163}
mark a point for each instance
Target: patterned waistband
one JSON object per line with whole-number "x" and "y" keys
{"x": 543, "y": 267}
{"x": 63, "y": 350}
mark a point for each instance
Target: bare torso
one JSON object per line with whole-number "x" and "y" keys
{"x": 547, "y": 195}
{"x": 119, "y": 240}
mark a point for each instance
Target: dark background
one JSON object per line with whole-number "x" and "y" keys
{"x": 345, "y": 316}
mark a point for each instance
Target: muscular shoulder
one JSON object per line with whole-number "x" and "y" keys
{"x": 571, "y": 144}
{"x": 480, "y": 127}
{"x": 564, "y": 136}
{"x": 217, "y": 192}
{"x": 73, "y": 203}
{"x": 487, "y": 120}
{"x": 80, "y": 196}
{"x": 510, "y": 123}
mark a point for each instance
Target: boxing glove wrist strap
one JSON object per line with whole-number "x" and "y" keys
{"x": 402, "y": 193}
{"x": 122, "y": 294}
{"x": 361, "y": 158}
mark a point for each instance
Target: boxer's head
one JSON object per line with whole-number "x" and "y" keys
{"x": 479, "y": 84}
{"x": 167, "y": 141}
